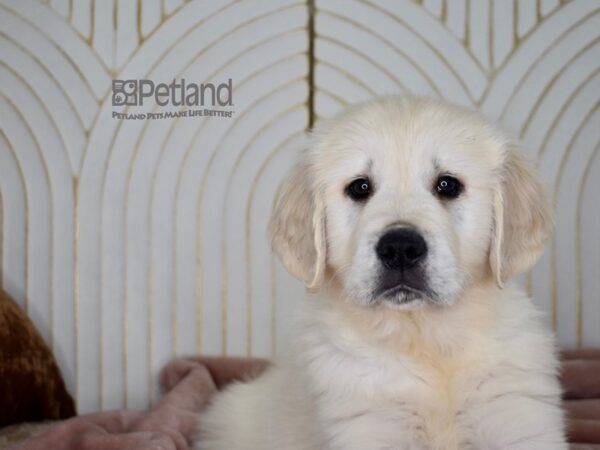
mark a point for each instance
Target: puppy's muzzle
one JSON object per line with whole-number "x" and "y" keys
{"x": 401, "y": 249}
{"x": 401, "y": 252}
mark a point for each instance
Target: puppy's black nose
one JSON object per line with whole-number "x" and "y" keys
{"x": 401, "y": 248}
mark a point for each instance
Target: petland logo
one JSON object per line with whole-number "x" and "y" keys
{"x": 179, "y": 94}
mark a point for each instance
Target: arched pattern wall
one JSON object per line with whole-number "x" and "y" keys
{"x": 129, "y": 242}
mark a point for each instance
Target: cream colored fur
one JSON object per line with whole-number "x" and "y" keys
{"x": 472, "y": 367}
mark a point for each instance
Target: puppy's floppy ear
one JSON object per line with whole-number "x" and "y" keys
{"x": 297, "y": 228}
{"x": 522, "y": 218}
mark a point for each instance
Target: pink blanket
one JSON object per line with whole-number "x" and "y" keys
{"x": 167, "y": 426}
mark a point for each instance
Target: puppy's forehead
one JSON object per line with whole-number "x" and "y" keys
{"x": 413, "y": 134}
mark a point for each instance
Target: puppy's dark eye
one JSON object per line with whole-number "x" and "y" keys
{"x": 448, "y": 187}
{"x": 359, "y": 190}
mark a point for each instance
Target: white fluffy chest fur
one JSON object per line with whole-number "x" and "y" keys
{"x": 365, "y": 398}
{"x": 481, "y": 377}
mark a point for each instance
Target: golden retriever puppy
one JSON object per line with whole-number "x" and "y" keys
{"x": 408, "y": 217}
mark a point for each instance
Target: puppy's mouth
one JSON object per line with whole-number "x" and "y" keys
{"x": 401, "y": 294}
{"x": 401, "y": 287}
